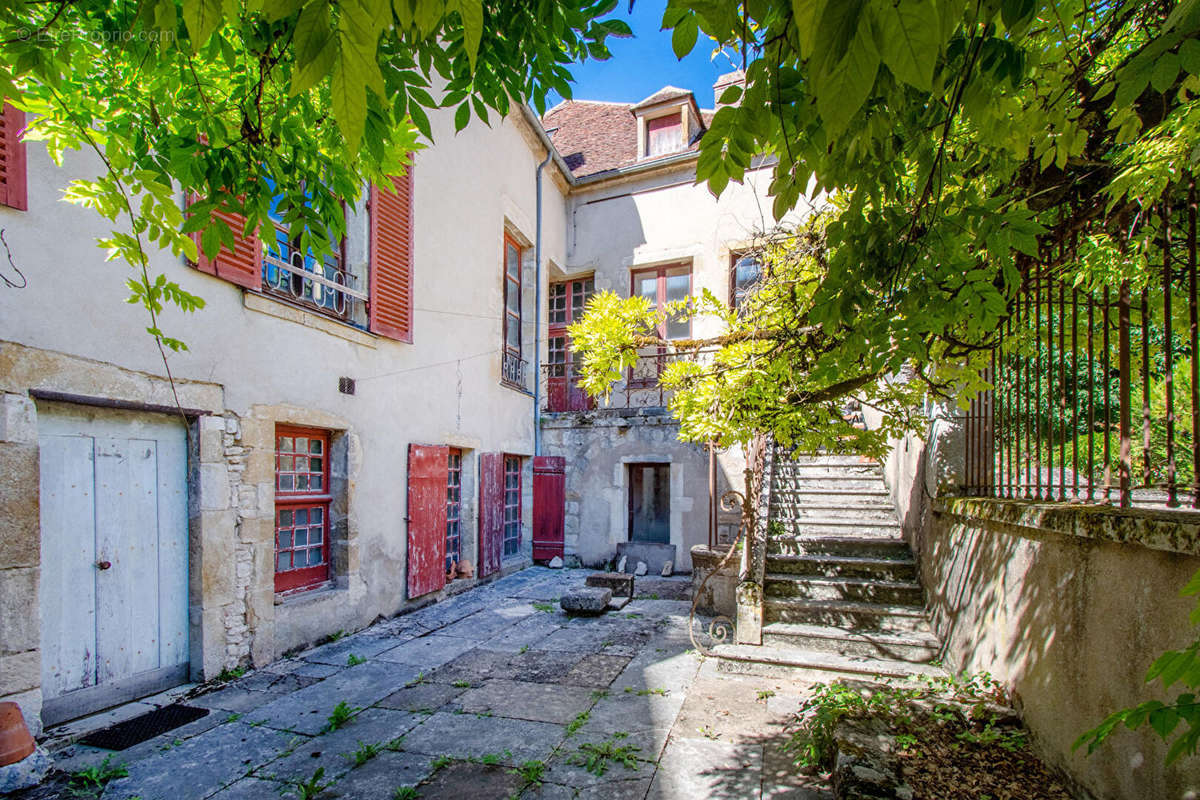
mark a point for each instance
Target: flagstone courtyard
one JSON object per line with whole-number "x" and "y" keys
{"x": 492, "y": 693}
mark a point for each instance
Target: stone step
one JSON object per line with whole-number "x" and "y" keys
{"x": 829, "y": 482}
{"x": 874, "y": 512}
{"x": 785, "y": 585}
{"x": 847, "y": 614}
{"x": 916, "y": 647}
{"x": 820, "y": 459}
{"x": 794, "y": 471}
{"x": 861, "y": 546}
{"x": 837, "y": 527}
{"x": 811, "y": 665}
{"x": 852, "y": 497}
{"x": 900, "y": 568}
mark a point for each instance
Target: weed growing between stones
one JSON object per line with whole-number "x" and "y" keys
{"x": 233, "y": 717}
{"x": 406, "y": 793}
{"x": 494, "y": 759}
{"x": 354, "y": 661}
{"x": 764, "y": 694}
{"x": 342, "y": 713}
{"x": 546, "y": 607}
{"x": 226, "y": 675}
{"x": 440, "y": 763}
{"x": 531, "y": 773}
{"x": 333, "y": 637}
{"x": 461, "y": 684}
{"x": 90, "y": 781}
{"x": 364, "y": 753}
{"x": 595, "y": 757}
{"x": 309, "y": 789}
{"x": 577, "y": 723}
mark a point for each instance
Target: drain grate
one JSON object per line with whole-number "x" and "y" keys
{"x": 137, "y": 730}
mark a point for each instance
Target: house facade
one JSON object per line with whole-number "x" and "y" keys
{"x": 345, "y": 432}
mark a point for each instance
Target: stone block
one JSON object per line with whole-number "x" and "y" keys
{"x": 654, "y": 554}
{"x": 20, "y": 624}
{"x": 20, "y": 672}
{"x": 214, "y": 487}
{"x": 18, "y": 419}
{"x": 20, "y": 542}
{"x": 641, "y": 568}
{"x": 620, "y": 583}
{"x": 586, "y": 600}
{"x": 27, "y": 772}
{"x": 212, "y": 447}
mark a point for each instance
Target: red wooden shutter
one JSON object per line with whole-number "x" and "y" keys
{"x": 427, "y": 468}
{"x": 391, "y": 259}
{"x": 549, "y": 499}
{"x": 491, "y": 512}
{"x": 13, "y": 192}
{"x": 243, "y": 266}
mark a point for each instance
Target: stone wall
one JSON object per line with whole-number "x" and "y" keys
{"x": 1068, "y": 607}
{"x": 598, "y": 446}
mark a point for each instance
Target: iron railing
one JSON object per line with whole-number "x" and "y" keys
{"x": 1073, "y": 369}
{"x": 513, "y": 369}
{"x": 640, "y": 388}
{"x": 322, "y": 284}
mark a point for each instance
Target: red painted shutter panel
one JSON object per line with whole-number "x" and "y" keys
{"x": 491, "y": 512}
{"x": 390, "y": 305}
{"x": 549, "y": 506}
{"x": 243, "y": 266}
{"x": 13, "y": 187}
{"x": 427, "y": 472}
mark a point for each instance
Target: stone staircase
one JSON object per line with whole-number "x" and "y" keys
{"x": 841, "y": 590}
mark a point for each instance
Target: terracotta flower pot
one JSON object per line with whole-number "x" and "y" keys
{"x": 15, "y": 741}
{"x": 465, "y": 569}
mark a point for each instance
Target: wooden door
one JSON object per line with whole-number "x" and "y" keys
{"x": 114, "y": 588}
{"x": 491, "y": 512}
{"x": 427, "y": 470}
{"x": 549, "y": 498}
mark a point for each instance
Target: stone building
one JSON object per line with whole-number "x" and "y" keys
{"x": 346, "y": 431}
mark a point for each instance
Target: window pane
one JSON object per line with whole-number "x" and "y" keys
{"x": 301, "y": 445}
{"x": 285, "y": 540}
{"x": 316, "y": 483}
{"x": 301, "y": 516}
{"x": 315, "y": 557}
{"x": 315, "y": 515}
{"x": 285, "y": 517}
{"x": 677, "y": 287}
{"x": 314, "y": 446}
{"x": 512, "y": 261}
{"x": 315, "y": 535}
{"x": 285, "y": 483}
{"x": 512, "y": 337}
{"x": 301, "y": 537}
{"x": 285, "y": 443}
{"x": 301, "y": 483}
{"x": 512, "y": 300}
{"x": 647, "y": 286}
{"x": 283, "y": 562}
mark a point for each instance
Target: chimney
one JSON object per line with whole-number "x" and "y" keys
{"x": 737, "y": 77}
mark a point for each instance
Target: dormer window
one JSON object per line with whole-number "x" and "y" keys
{"x": 664, "y": 135}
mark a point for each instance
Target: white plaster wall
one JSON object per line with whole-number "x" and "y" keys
{"x": 443, "y": 388}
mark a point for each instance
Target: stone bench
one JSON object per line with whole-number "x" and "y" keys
{"x": 620, "y": 583}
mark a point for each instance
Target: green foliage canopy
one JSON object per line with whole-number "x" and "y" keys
{"x": 238, "y": 103}
{"x": 955, "y": 142}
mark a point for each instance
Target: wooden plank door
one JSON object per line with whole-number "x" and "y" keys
{"x": 549, "y": 506}
{"x": 491, "y": 512}
{"x": 427, "y": 473}
{"x": 114, "y": 588}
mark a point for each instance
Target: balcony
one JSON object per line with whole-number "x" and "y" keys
{"x": 640, "y": 388}
{"x": 321, "y": 285}
{"x": 513, "y": 370}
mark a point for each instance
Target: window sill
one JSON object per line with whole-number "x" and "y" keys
{"x": 308, "y": 594}
{"x": 281, "y": 309}
{"x": 517, "y": 388}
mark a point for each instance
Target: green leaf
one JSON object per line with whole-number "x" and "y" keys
{"x": 471, "y": 12}
{"x": 1189, "y": 56}
{"x": 683, "y": 39}
{"x": 202, "y": 18}
{"x": 461, "y": 117}
{"x": 909, "y": 40}
{"x": 1165, "y": 70}
{"x": 805, "y": 16}
{"x": 315, "y": 47}
{"x": 347, "y": 93}
{"x": 845, "y": 63}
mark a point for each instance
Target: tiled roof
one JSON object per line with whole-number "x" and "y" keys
{"x": 664, "y": 94}
{"x": 595, "y": 137}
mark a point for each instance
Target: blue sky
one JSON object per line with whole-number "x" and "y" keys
{"x": 645, "y": 63}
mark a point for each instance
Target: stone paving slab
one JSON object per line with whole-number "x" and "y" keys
{"x": 338, "y": 653}
{"x": 539, "y": 702}
{"x": 252, "y": 789}
{"x": 595, "y": 671}
{"x": 425, "y": 696}
{"x": 475, "y": 667}
{"x": 234, "y": 699}
{"x": 209, "y": 761}
{"x": 569, "y": 765}
{"x": 380, "y": 777}
{"x": 464, "y": 736}
{"x": 702, "y": 768}
{"x": 428, "y": 652}
{"x": 529, "y": 632}
{"x": 307, "y": 710}
{"x": 612, "y": 790}
{"x": 480, "y": 626}
{"x": 334, "y": 750}
{"x": 470, "y": 781}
